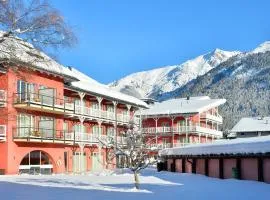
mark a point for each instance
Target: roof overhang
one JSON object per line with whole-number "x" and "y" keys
{"x": 76, "y": 89}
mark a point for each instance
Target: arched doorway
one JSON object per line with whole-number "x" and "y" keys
{"x": 36, "y": 162}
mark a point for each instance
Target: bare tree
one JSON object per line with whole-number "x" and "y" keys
{"x": 36, "y": 22}
{"x": 133, "y": 148}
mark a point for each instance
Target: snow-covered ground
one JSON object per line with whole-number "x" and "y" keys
{"x": 154, "y": 185}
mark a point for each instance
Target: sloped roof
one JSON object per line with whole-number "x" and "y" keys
{"x": 16, "y": 50}
{"x": 252, "y": 124}
{"x": 97, "y": 88}
{"x": 182, "y": 106}
{"x": 235, "y": 146}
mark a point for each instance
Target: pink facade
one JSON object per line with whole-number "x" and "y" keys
{"x": 266, "y": 171}
{"x": 229, "y": 164}
{"x": 178, "y": 165}
{"x": 188, "y": 166}
{"x": 245, "y": 168}
{"x": 34, "y": 128}
{"x": 200, "y": 166}
{"x": 177, "y": 130}
{"x": 249, "y": 169}
{"x": 213, "y": 168}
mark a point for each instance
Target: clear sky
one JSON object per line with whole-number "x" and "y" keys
{"x": 119, "y": 37}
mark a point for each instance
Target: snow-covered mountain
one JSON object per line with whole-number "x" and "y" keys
{"x": 154, "y": 82}
{"x": 244, "y": 80}
{"x": 241, "y": 78}
{"x": 262, "y": 48}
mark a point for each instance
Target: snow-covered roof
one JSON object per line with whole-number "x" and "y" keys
{"x": 182, "y": 106}
{"x": 16, "y": 50}
{"x": 235, "y": 146}
{"x": 255, "y": 124}
{"x": 105, "y": 91}
{"x": 88, "y": 84}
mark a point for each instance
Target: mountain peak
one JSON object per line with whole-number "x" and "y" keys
{"x": 220, "y": 54}
{"x": 265, "y": 46}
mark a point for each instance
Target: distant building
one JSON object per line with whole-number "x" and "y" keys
{"x": 251, "y": 127}
{"x": 181, "y": 121}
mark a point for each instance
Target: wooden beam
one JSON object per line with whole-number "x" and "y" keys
{"x": 194, "y": 163}
{"x": 206, "y": 167}
{"x": 173, "y": 166}
{"x": 260, "y": 169}
{"x": 221, "y": 168}
{"x": 183, "y": 165}
{"x": 238, "y": 167}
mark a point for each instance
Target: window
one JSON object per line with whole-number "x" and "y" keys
{"x": 36, "y": 162}
{"x": 110, "y": 131}
{"x": 30, "y": 125}
{"x": 95, "y": 105}
{"x": 78, "y": 102}
{"x": 181, "y": 123}
{"x": 47, "y": 95}
{"x": 65, "y": 127}
{"x": 25, "y": 125}
{"x": 46, "y": 126}
{"x": 110, "y": 108}
{"x": 79, "y": 128}
{"x": 25, "y": 90}
{"x": 96, "y": 130}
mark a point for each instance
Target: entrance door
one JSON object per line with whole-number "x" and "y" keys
{"x": 36, "y": 162}
{"x": 79, "y": 162}
{"x": 97, "y": 162}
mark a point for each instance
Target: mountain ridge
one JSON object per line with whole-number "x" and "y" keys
{"x": 164, "y": 79}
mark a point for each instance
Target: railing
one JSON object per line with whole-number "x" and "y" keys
{"x": 67, "y": 137}
{"x": 123, "y": 117}
{"x": 217, "y": 118}
{"x": 38, "y": 133}
{"x": 44, "y": 101}
{"x": 58, "y": 104}
{"x": 101, "y": 114}
{"x": 3, "y": 98}
{"x": 158, "y": 146}
{"x": 181, "y": 129}
{"x": 3, "y": 133}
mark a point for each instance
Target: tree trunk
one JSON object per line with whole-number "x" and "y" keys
{"x": 136, "y": 179}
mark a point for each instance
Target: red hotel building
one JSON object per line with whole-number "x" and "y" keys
{"x": 53, "y": 117}
{"x": 181, "y": 121}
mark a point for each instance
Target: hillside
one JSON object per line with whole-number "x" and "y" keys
{"x": 155, "y": 82}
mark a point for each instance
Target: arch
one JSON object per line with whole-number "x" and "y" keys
{"x": 37, "y": 162}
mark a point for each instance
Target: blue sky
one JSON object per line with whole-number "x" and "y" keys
{"x": 119, "y": 37}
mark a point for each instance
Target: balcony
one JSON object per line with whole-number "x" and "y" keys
{"x": 215, "y": 118}
{"x": 3, "y": 133}
{"x": 31, "y": 134}
{"x": 91, "y": 112}
{"x": 3, "y": 98}
{"x": 123, "y": 118}
{"x": 181, "y": 130}
{"x": 157, "y": 147}
{"x": 102, "y": 114}
{"x": 44, "y": 103}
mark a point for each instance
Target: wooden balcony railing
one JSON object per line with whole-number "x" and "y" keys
{"x": 50, "y": 104}
{"x": 216, "y": 118}
{"x": 181, "y": 130}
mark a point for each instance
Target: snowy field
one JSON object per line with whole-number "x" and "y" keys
{"x": 117, "y": 186}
